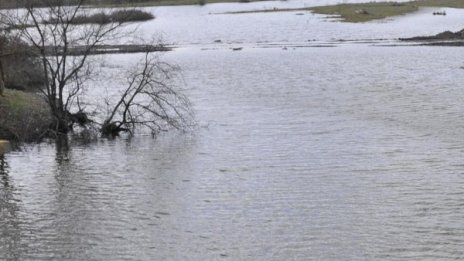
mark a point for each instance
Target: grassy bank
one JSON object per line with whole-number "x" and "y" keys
{"x": 370, "y": 11}
{"x": 23, "y": 116}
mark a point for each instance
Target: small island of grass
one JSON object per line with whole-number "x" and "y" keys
{"x": 363, "y": 12}
{"x": 366, "y": 11}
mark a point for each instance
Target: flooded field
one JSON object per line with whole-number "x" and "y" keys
{"x": 351, "y": 152}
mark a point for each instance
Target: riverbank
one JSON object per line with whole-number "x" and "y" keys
{"x": 23, "y": 116}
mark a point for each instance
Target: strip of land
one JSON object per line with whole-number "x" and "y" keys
{"x": 112, "y": 3}
{"x": 446, "y": 38}
{"x": 363, "y": 12}
{"x": 8, "y": 4}
{"x": 107, "y": 49}
{"x": 370, "y": 11}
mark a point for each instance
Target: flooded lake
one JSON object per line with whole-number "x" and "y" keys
{"x": 347, "y": 152}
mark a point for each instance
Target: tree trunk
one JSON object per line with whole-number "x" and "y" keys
{"x": 2, "y": 79}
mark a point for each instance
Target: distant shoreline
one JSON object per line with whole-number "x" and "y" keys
{"x": 110, "y": 49}
{"x": 446, "y": 38}
{"x": 140, "y": 3}
{"x": 364, "y": 12}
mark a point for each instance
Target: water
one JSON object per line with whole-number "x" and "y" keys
{"x": 348, "y": 152}
{"x": 201, "y": 26}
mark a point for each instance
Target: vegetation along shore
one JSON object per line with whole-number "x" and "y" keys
{"x": 44, "y": 67}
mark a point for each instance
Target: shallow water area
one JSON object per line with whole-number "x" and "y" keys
{"x": 210, "y": 25}
{"x": 346, "y": 152}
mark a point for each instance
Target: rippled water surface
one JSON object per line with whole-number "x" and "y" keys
{"x": 351, "y": 152}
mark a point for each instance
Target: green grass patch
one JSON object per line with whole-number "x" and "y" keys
{"x": 354, "y": 12}
{"x": 23, "y": 116}
{"x": 18, "y": 101}
{"x": 440, "y": 3}
{"x": 366, "y": 11}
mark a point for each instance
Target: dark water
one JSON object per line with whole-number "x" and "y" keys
{"x": 346, "y": 153}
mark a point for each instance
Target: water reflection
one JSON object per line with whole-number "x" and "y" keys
{"x": 10, "y": 231}
{"x": 62, "y": 149}
{"x": 4, "y": 171}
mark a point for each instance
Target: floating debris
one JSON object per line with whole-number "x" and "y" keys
{"x": 439, "y": 13}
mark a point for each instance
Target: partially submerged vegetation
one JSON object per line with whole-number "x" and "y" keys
{"x": 151, "y": 100}
{"x": 447, "y": 35}
{"x": 446, "y": 38}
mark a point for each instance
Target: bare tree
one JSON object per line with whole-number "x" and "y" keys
{"x": 52, "y": 33}
{"x": 4, "y": 51}
{"x": 150, "y": 99}
{"x": 64, "y": 48}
